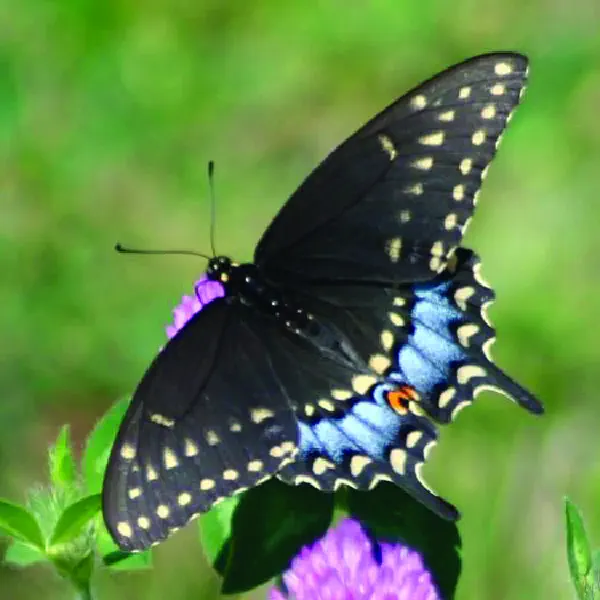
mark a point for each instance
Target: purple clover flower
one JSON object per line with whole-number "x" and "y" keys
{"x": 206, "y": 290}
{"x": 342, "y": 566}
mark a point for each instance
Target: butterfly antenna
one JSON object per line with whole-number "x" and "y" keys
{"x": 123, "y": 250}
{"x": 213, "y": 210}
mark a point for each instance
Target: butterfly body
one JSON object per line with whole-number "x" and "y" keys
{"x": 360, "y": 326}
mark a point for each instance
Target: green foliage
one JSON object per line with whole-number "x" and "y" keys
{"x": 215, "y": 527}
{"x": 75, "y": 518}
{"x": 19, "y": 523}
{"x": 63, "y": 471}
{"x": 585, "y": 572}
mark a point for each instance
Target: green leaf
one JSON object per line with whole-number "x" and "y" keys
{"x": 215, "y": 527}
{"x": 392, "y": 515}
{"x": 63, "y": 471}
{"x": 579, "y": 553}
{"x": 99, "y": 444}
{"x": 17, "y": 522}
{"x": 75, "y": 518}
{"x": 270, "y": 525}
{"x": 21, "y": 554}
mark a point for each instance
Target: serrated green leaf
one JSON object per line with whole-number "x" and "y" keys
{"x": 270, "y": 525}
{"x": 99, "y": 444}
{"x": 215, "y": 527}
{"x": 21, "y": 554}
{"x": 19, "y": 523}
{"x": 75, "y": 518}
{"x": 115, "y": 558}
{"x": 392, "y": 515}
{"x": 579, "y": 554}
{"x": 63, "y": 471}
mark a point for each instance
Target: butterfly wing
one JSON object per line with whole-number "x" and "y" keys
{"x": 393, "y": 201}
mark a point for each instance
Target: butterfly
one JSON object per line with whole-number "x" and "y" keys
{"x": 360, "y": 326}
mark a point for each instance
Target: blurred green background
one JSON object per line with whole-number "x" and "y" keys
{"x": 109, "y": 112}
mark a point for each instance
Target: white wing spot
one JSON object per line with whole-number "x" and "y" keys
{"x": 163, "y": 511}
{"x": 127, "y": 452}
{"x": 388, "y": 146}
{"x": 230, "y": 474}
{"x": 379, "y": 363}
{"x": 464, "y": 92}
{"x": 321, "y": 465}
{"x": 462, "y": 295}
{"x": 446, "y": 397}
{"x": 476, "y": 197}
{"x": 503, "y": 68}
{"x": 162, "y": 420}
{"x": 396, "y": 319}
{"x": 468, "y": 372}
{"x": 393, "y": 249}
{"x": 437, "y": 249}
{"x": 404, "y": 216}
{"x": 143, "y": 522}
{"x": 124, "y": 529}
{"x": 358, "y": 463}
{"x": 436, "y": 264}
{"x": 212, "y": 438}
{"x": 432, "y": 139}
{"x": 399, "y": 301}
{"x": 398, "y": 460}
{"x": 466, "y": 164}
{"x": 423, "y": 163}
{"x": 450, "y": 222}
{"x": 254, "y": 466}
{"x": 327, "y": 405}
{"x": 235, "y": 427}
{"x": 362, "y": 383}
{"x": 134, "y": 493}
{"x": 387, "y": 339}
{"x": 466, "y": 332}
{"x": 446, "y": 116}
{"x": 478, "y": 137}
{"x": 497, "y": 90}
{"x": 309, "y": 410}
{"x": 416, "y": 189}
{"x": 151, "y": 474}
{"x": 190, "y": 447}
{"x": 341, "y": 394}
{"x": 207, "y": 484}
{"x": 488, "y": 112}
{"x": 484, "y": 172}
{"x": 458, "y": 193}
{"x": 413, "y": 438}
{"x": 419, "y": 102}
{"x": 258, "y": 415}
{"x": 170, "y": 459}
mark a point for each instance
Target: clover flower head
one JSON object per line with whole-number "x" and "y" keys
{"x": 205, "y": 291}
{"x": 343, "y": 565}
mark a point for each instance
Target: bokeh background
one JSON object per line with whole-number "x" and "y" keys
{"x": 109, "y": 112}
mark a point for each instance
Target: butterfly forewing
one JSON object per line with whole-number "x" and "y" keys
{"x": 393, "y": 201}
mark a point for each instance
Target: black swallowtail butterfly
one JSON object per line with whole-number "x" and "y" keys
{"x": 359, "y": 325}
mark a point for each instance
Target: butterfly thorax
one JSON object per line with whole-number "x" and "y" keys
{"x": 244, "y": 283}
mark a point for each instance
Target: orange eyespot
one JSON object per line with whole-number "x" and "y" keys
{"x": 399, "y": 399}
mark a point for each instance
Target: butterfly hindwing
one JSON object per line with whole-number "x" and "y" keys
{"x": 392, "y": 201}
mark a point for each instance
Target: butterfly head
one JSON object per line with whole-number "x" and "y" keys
{"x": 219, "y": 268}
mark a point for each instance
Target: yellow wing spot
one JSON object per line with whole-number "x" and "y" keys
{"x": 230, "y": 474}
{"x": 288, "y": 447}
{"x": 190, "y": 447}
{"x": 423, "y": 163}
{"x": 413, "y": 438}
{"x": 436, "y": 264}
{"x": 134, "y": 493}
{"x": 396, "y": 319}
{"x": 309, "y": 410}
{"x": 212, "y": 438}
{"x": 258, "y": 415}
{"x": 207, "y": 484}
{"x": 446, "y": 397}
{"x": 358, "y": 463}
{"x": 428, "y": 448}
{"x": 458, "y": 193}
{"x": 488, "y": 112}
{"x": 416, "y": 189}
{"x": 419, "y": 102}
{"x": 341, "y": 394}
{"x": 478, "y": 137}
{"x": 466, "y": 332}
{"x": 394, "y": 247}
{"x": 327, "y": 405}
{"x": 163, "y": 511}
{"x": 127, "y": 452}
{"x": 466, "y": 164}
{"x": 143, "y": 522}
{"x": 404, "y": 216}
{"x": 399, "y": 301}
{"x": 362, "y": 383}
{"x": 432, "y": 139}
{"x": 484, "y": 312}
{"x": 387, "y": 339}
{"x": 446, "y": 116}
{"x": 486, "y": 347}
{"x": 468, "y": 372}
{"x": 276, "y": 452}
{"x": 464, "y": 92}
{"x": 170, "y": 459}
{"x": 124, "y": 529}
{"x": 476, "y": 197}
{"x": 462, "y": 295}
{"x": 321, "y": 465}
{"x": 479, "y": 277}
{"x": 484, "y": 172}
{"x": 379, "y": 363}
{"x": 254, "y": 466}
{"x": 458, "y": 408}
{"x": 162, "y": 420}
{"x": 437, "y": 249}
{"x": 398, "y": 460}
{"x": 503, "y": 68}
{"x": 235, "y": 427}
{"x": 498, "y": 89}
{"x": 388, "y": 146}
{"x": 151, "y": 474}
{"x": 450, "y": 222}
